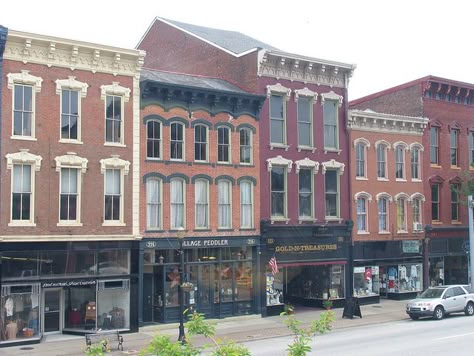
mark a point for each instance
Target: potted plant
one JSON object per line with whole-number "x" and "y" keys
{"x": 327, "y": 304}
{"x": 289, "y": 308}
{"x": 187, "y": 286}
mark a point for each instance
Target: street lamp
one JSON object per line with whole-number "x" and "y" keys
{"x": 180, "y": 235}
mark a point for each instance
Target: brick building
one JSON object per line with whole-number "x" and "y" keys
{"x": 387, "y": 203}
{"x": 448, "y": 105}
{"x": 69, "y": 173}
{"x": 200, "y": 173}
{"x": 303, "y": 152}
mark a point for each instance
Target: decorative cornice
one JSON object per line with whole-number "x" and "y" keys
{"x": 307, "y": 163}
{"x": 363, "y": 194}
{"x": 417, "y": 196}
{"x": 114, "y": 89}
{"x": 59, "y": 52}
{"x": 24, "y": 78}
{"x": 279, "y": 161}
{"x": 307, "y": 93}
{"x": 333, "y": 164}
{"x": 24, "y": 156}
{"x": 383, "y": 195}
{"x": 331, "y": 96}
{"x": 114, "y": 162}
{"x": 71, "y": 83}
{"x": 401, "y": 195}
{"x": 279, "y": 89}
{"x": 71, "y": 160}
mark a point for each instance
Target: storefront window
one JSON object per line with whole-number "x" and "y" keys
{"x": 172, "y": 283}
{"x": 113, "y": 304}
{"x": 19, "y": 312}
{"x": 61, "y": 263}
{"x": 316, "y": 282}
{"x": 274, "y": 288}
{"x": 436, "y": 271}
{"x": 80, "y": 307}
{"x": 403, "y": 278}
{"x": 113, "y": 262}
{"x": 366, "y": 281}
{"x": 18, "y": 265}
{"x": 226, "y": 274}
{"x": 243, "y": 281}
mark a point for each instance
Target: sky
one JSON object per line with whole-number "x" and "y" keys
{"x": 390, "y": 42}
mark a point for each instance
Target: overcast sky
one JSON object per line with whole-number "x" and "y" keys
{"x": 391, "y": 42}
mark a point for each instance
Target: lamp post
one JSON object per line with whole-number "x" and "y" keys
{"x": 181, "y": 336}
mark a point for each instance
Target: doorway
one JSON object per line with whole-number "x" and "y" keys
{"x": 52, "y": 310}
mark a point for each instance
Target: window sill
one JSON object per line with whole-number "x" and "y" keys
{"x": 243, "y": 164}
{"x": 248, "y": 229}
{"x": 382, "y": 179}
{"x": 202, "y": 229}
{"x": 306, "y": 148}
{"x": 437, "y": 222}
{"x": 176, "y": 161}
{"x": 363, "y": 233}
{"x": 154, "y": 230}
{"x": 224, "y": 163}
{"x": 384, "y": 232}
{"x": 279, "y": 145}
{"x": 68, "y": 224}
{"x": 203, "y": 163}
{"x": 74, "y": 142}
{"x": 114, "y": 144}
{"x": 21, "y": 224}
{"x": 362, "y": 178}
{"x": 455, "y": 167}
{"x": 332, "y": 150}
{"x": 113, "y": 223}
{"x": 416, "y": 180}
{"x": 435, "y": 166}
{"x": 24, "y": 138}
{"x": 332, "y": 219}
{"x": 402, "y": 232}
{"x": 306, "y": 220}
{"x": 223, "y": 229}
{"x": 456, "y": 222}
{"x": 279, "y": 219}
{"x": 153, "y": 159}
{"x": 400, "y": 180}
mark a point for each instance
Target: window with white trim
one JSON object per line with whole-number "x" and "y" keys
{"x": 200, "y": 143}
{"x": 435, "y": 201}
{"x": 362, "y": 214}
{"x": 454, "y": 147}
{"x": 400, "y": 162}
{"x": 153, "y": 139}
{"x": 224, "y": 197}
{"x": 177, "y": 199}
{"x": 305, "y": 193}
{"x": 383, "y": 214}
{"x": 69, "y": 197}
{"x": 331, "y": 186}
{"x": 114, "y": 97}
{"x": 434, "y": 145}
{"x": 154, "y": 204}
{"x": 201, "y": 200}
{"x": 305, "y": 121}
{"x": 330, "y": 118}
{"x": 278, "y": 192}
{"x": 24, "y": 87}
{"x": 246, "y": 204}
{"x": 382, "y": 161}
{"x": 223, "y": 145}
{"x": 402, "y": 214}
{"x": 415, "y": 163}
{"x": 471, "y": 149}
{"x": 114, "y": 169}
{"x": 455, "y": 188}
{"x": 246, "y": 151}
{"x": 277, "y": 119}
{"x": 361, "y": 163}
{"x": 177, "y": 141}
{"x": 417, "y": 216}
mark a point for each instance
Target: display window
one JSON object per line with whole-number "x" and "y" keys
{"x": 366, "y": 281}
{"x": 402, "y": 278}
{"x": 19, "y": 318}
{"x": 274, "y": 287}
{"x": 80, "y": 306}
{"x": 113, "y": 299}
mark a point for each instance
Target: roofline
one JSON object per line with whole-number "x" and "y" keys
{"x": 39, "y": 37}
{"x": 377, "y": 115}
{"x": 312, "y": 59}
{"x": 237, "y": 55}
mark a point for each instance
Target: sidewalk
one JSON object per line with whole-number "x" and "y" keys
{"x": 242, "y": 328}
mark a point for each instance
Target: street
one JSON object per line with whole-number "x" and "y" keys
{"x": 450, "y": 336}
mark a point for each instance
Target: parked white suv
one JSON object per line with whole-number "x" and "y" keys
{"x": 438, "y": 301}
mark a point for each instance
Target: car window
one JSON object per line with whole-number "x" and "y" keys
{"x": 469, "y": 289}
{"x": 458, "y": 291}
{"x": 449, "y": 293}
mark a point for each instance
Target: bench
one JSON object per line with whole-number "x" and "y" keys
{"x": 105, "y": 338}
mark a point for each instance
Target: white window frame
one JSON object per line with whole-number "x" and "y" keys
{"x": 417, "y": 198}
{"x": 24, "y": 78}
{"x": 416, "y": 147}
{"x": 361, "y": 146}
{"x": 183, "y": 197}
{"x": 400, "y": 148}
{"x": 402, "y": 198}
{"x": 71, "y": 84}
{"x": 206, "y": 143}
{"x": 434, "y": 146}
{"x": 388, "y": 199}
{"x": 251, "y": 204}
{"x": 385, "y": 146}
{"x": 115, "y": 90}
{"x": 249, "y": 147}
{"x": 71, "y": 160}
{"x": 285, "y": 93}
{"x": 338, "y": 167}
{"x": 24, "y": 158}
{"x": 223, "y": 145}
{"x": 312, "y": 97}
{"x": 228, "y": 205}
{"x": 196, "y": 204}
{"x": 286, "y": 164}
{"x": 454, "y": 146}
{"x": 124, "y": 166}
{"x": 153, "y": 139}
{"x": 331, "y": 98}
{"x": 311, "y": 193}
{"x": 178, "y": 142}
{"x": 471, "y": 148}
{"x": 365, "y": 198}
{"x": 151, "y": 203}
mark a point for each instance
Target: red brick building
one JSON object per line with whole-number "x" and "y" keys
{"x": 69, "y": 127}
{"x": 448, "y": 105}
{"x": 387, "y": 203}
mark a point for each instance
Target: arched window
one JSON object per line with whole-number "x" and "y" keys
{"x": 224, "y": 193}
{"x": 178, "y": 194}
{"x": 246, "y": 151}
{"x": 177, "y": 141}
{"x": 201, "y": 199}
{"x": 200, "y": 143}
{"x": 246, "y": 204}
{"x": 153, "y": 139}
{"x": 362, "y": 214}
{"x": 153, "y": 204}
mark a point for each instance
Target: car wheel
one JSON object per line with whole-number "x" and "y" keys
{"x": 438, "y": 313}
{"x": 469, "y": 310}
{"x": 414, "y": 317}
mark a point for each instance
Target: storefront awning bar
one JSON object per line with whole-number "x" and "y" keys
{"x": 299, "y": 264}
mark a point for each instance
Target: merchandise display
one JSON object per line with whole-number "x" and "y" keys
{"x": 274, "y": 289}
{"x": 402, "y": 278}
{"x": 316, "y": 282}
{"x": 18, "y": 319}
{"x": 366, "y": 281}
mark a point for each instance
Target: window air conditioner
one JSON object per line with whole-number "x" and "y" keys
{"x": 417, "y": 226}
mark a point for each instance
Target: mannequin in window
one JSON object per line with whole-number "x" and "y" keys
{"x": 11, "y": 329}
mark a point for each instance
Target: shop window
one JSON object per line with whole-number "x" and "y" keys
{"x": 243, "y": 281}
{"x": 366, "y": 281}
{"x": 113, "y": 262}
{"x": 404, "y": 278}
{"x": 172, "y": 282}
{"x": 80, "y": 307}
{"x": 274, "y": 287}
{"x": 113, "y": 304}
{"x": 19, "y": 265}
{"x": 66, "y": 263}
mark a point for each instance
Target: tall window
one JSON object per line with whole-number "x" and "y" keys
{"x": 177, "y": 141}
{"x": 305, "y": 179}
{"x": 23, "y": 110}
{"x": 471, "y": 149}
{"x": 381, "y": 161}
{"x": 245, "y": 146}
{"x": 415, "y": 163}
{"x": 200, "y": 143}
{"x": 455, "y": 202}
{"x": 153, "y": 139}
{"x": 277, "y": 119}
{"x": 402, "y": 214}
{"x": 331, "y": 137}
{"x": 69, "y": 114}
{"x": 305, "y": 130}
{"x": 435, "y": 202}
{"x": 246, "y": 204}
{"x": 360, "y": 159}
{"x": 177, "y": 203}
{"x": 400, "y": 162}
{"x": 434, "y": 145}
{"x": 331, "y": 183}
{"x": 22, "y": 192}
{"x": 361, "y": 214}
{"x": 223, "y": 144}
{"x": 202, "y": 206}
{"x": 153, "y": 204}
{"x": 454, "y": 142}
{"x": 224, "y": 204}
{"x": 113, "y": 119}
{"x": 113, "y": 194}
{"x": 382, "y": 206}
{"x": 416, "y": 213}
{"x": 69, "y": 196}
{"x": 278, "y": 192}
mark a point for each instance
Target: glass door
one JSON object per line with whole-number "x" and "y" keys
{"x": 52, "y": 310}
{"x": 202, "y": 276}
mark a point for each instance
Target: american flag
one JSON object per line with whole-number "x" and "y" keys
{"x": 273, "y": 264}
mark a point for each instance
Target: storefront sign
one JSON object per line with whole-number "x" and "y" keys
{"x": 205, "y": 243}
{"x": 411, "y": 246}
{"x": 73, "y": 283}
{"x": 306, "y": 248}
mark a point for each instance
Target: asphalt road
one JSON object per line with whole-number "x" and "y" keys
{"x": 453, "y": 335}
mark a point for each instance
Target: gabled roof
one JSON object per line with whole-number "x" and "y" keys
{"x": 231, "y": 41}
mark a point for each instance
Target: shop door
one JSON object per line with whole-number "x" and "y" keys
{"x": 147, "y": 297}
{"x": 202, "y": 276}
{"x": 52, "y": 310}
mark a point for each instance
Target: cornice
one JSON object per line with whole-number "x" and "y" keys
{"x": 114, "y": 162}
{"x": 71, "y": 83}
{"x": 71, "y": 160}
{"x": 279, "y": 161}
{"x": 24, "y": 156}
{"x": 59, "y": 52}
